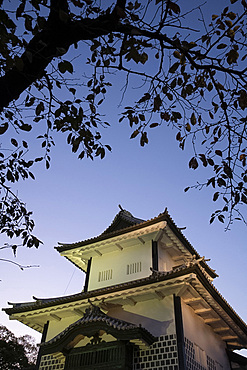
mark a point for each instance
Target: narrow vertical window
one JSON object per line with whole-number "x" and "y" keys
{"x": 133, "y": 268}
{"x": 105, "y": 275}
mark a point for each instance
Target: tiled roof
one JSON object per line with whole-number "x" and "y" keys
{"x": 129, "y": 223}
{"x": 125, "y": 222}
{"x": 153, "y": 278}
{"x": 122, "y": 220}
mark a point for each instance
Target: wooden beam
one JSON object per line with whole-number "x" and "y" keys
{"x": 78, "y": 311}
{"x": 183, "y": 289}
{"x": 129, "y": 301}
{"x": 159, "y": 295}
{"x": 202, "y": 310}
{"x": 141, "y": 240}
{"x": 158, "y": 235}
{"x": 192, "y": 300}
{"x": 178, "y": 258}
{"x": 211, "y": 320}
{"x": 55, "y": 317}
{"x": 98, "y": 252}
{"x": 220, "y": 329}
{"x": 229, "y": 337}
{"x": 119, "y": 246}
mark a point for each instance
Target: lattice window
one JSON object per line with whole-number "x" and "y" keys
{"x": 161, "y": 355}
{"x": 50, "y": 362}
{"x": 200, "y": 356}
{"x": 105, "y": 275}
{"x": 218, "y": 366}
{"x": 196, "y": 358}
{"x": 133, "y": 268}
{"x": 211, "y": 364}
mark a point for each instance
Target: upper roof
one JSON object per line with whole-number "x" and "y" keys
{"x": 124, "y": 223}
{"x": 121, "y": 221}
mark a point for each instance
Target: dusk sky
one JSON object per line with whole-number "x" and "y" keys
{"x": 75, "y": 200}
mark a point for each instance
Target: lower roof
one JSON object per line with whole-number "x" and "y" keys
{"x": 192, "y": 276}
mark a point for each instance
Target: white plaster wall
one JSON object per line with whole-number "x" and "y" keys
{"x": 165, "y": 261}
{"x": 117, "y": 261}
{"x": 56, "y": 327}
{"x": 201, "y": 334}
{"x": 157, "y": 316}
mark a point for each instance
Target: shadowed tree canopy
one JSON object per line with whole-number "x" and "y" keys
{"x": 192, "y": 75}
{"x": 16, "y": 353}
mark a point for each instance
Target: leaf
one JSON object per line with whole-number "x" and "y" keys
{"x": 14, "y": 142}
{"x": 221, "y": 182}
{"x": 212, "y": 219}
{"x": 228, "y": 23}
{"x": 155, "y": 124}
{"x": 188, "y": 127}
{"x": 221, "y": 218}
{"x": 4, "y": 128}
{"x": 108, "y": 147}
{"x": 218, "y": 152}
{"x": 203, "y": 159}
{"x": 216, "y": 196}
{"x": 145, "y": 97}
{"x": 174, "y": 67}
{"x": 144, "y": 139}
{"x": 65, "y": 66}
{"x": 221, "y": 46}
{"x": 193, "y": 163}
{"x": 26, "y": 127}
{"x": 40, "y": 108}
{"x": 28, "y": 22}
{"x": 32, "y": 175}
{"x": 193, "y": 119}
{"x": 20, "y": 10}
{"x": 157, "y": 103}
{"x": 81, "y": 155}
{"x": 232, "y": 56}
{"x": 228, "y": 170}
{"x": 29, "y": 103}
{"x": 210, "y": 162}
{"x": 174, "y": 7}
{"x": 143, "y": 58}
{"x": 134, "y": 134}
{"x": 176, "y": 54}
{"x": 186, "y": 189}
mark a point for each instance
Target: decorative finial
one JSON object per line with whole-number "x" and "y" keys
{"x": 121, "y": 208}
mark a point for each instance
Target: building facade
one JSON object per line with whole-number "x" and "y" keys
{"x": 148, "y": 303}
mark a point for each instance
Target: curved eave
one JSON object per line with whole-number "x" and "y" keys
{"x": 205, "y": 289}
{"x": 66, "y": 247}
{"x": 105, "y": 237}
{"x": 177, "y": 232}
{"x": 89, "y": 330}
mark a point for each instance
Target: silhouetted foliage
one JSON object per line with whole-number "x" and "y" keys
{"x": 192, "y": 76}
{"x": 16, "y": 353}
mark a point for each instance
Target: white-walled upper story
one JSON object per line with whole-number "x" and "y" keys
{"x": 121, "y": 266}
